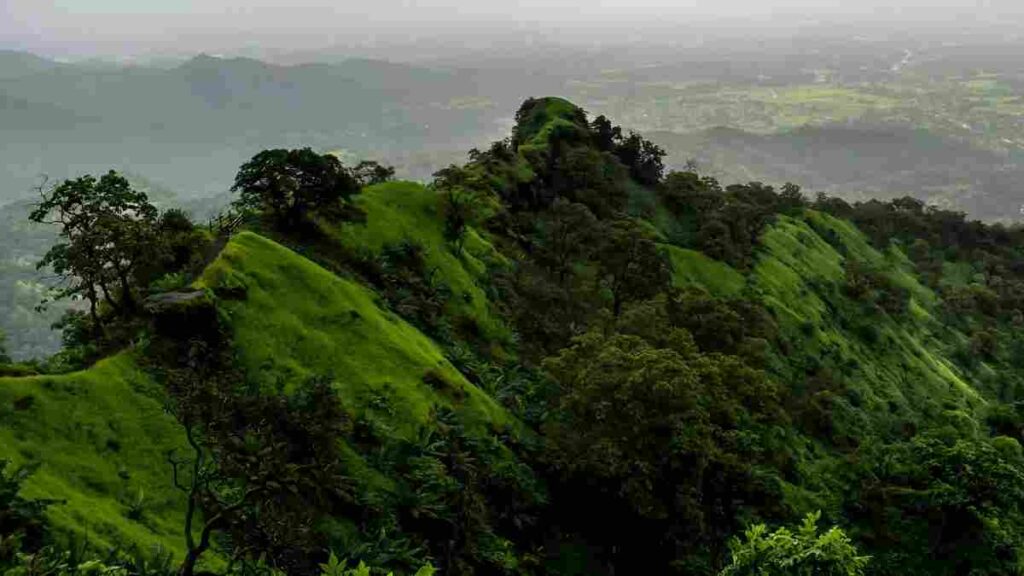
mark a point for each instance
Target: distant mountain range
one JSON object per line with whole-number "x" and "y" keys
{"x": 186, "y": 126}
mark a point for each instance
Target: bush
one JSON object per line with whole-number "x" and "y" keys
{"x": 804, "y": 552}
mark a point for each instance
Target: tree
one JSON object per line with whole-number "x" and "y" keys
{"x": 457, "y": 209}
{"x": 939, "y": 506}
{"x": 369, "y": 172}
{"x": 595, "y": 179}
{"x": 803, "y": 552}
{"x": 642, "y": 157}
{"x": 664, "y": 436}
{"x": 336, "y": 567}
{"x": 606, "y": 136}
{"x": 265, "y": 469}
{"x": 4, "y": 358}
{"x": 459, "y": 203}
{"x": 107, "y": 232}
{"x": 291, "y": 185}
{"x": 566, "y": 235}
{"x": 631, "y": 264}
{"x": 201, "y": 487}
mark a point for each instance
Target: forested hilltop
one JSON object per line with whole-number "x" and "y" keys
{"x": 555, "y": 359}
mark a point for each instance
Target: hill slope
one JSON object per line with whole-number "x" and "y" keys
{"x": 691, "y": 357}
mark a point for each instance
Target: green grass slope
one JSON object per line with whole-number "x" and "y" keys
{"x": 408, "y": 211}
{"x": 298, "y": 320}
{"x": 692, "y": 268}
{"x": 100, "y": 438}
{"x": 899, "y": 362}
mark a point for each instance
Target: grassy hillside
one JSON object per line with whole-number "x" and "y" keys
{"x": 298, "y": 320}
{"x": 898, "y": 362}
{"x": 100, "y": 438}
{"x": 399, "y": 212}
{"x": 691, "y": 357}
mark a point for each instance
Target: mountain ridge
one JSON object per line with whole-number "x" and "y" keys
{"x": 558, "y": 323}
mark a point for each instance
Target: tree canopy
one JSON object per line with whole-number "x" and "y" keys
{"x": 292, "y": 185}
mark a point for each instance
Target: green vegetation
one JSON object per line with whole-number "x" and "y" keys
{"x": 803, "y": 552}
{"x": 298, "y": 320}
{"x": 99, "y": 438}
{"x": 407, "y": 212}
{"x": 692, "y": 268}
{"x": 399, "y": 376}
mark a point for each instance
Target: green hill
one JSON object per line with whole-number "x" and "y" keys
{"x": 557, "y": 359}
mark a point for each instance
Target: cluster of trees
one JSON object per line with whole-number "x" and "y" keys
{"x": 669, "y": 438}
{"x": 28, "y": 548}
{"x": 290, "y": 187}
{"x": 655, "y": 432}
{"x": 115, "y": 248}
{"x": 723, "y": 223}
{"x": 977, "y": 269}
{"x": 651, "y": 399}
{"x": 412, "y": 289}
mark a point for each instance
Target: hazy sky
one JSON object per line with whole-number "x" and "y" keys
{"x": 127, "y": 26}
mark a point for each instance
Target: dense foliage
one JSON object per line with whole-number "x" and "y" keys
{"x": 802, "y": 552}
{"x": 289, "y": 186}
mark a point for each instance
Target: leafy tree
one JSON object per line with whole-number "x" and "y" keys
{"x": 566, "y": 235}
{"x": 687, "y": 194}
{"x": 631, "y": 264}
{"x": 264, "y": 468}
{"x": 336, "y": 567}
{"x": 457, "y": 207}
{"x": 653, "y": 431}
{"x": 369, "y": 172}
{"x": 107, "y": 232}
{"x": 291, "y": 185}
{"x": 595, "y": 179}
{"x": 642, "y": 157}
{"x": 182, "y": 246}
{"x": 939, "y": 506}
{"x": 411, "y": 288}
{"x": 606, "y": 136}
{"x": 803, "y": 552}
{"x": 726, "y": 325}
{"x": 457, "y": 202}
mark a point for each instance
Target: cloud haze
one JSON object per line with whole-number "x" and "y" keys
{"x": 125, "y": 26}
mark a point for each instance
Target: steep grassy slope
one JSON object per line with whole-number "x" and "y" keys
{"x": 692, "y": 268}
{"x": 898, "y": 361}
{"x": 409, "y": 212}
{"x": 298, "y": 320}
{"x": 100, "y": 438}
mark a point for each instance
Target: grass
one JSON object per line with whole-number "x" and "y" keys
{"x": 902, "y": 368}
{"x": 692, "y": 268}
{"x": 100, "y": 438}
{"x": 399, "y": 211}
{"x": 298, "y": 320}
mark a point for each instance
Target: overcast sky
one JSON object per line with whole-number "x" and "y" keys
{"x": 110, "y": 27}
